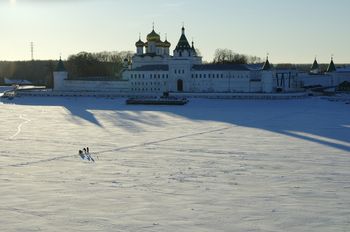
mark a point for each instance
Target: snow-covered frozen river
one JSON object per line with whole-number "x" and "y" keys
{"x": 212, "y": 165}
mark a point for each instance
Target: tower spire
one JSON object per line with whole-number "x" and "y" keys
{"x": 331, "y": 66}
{"x": 315, "y": 68}
{"x": 267, "y": 65}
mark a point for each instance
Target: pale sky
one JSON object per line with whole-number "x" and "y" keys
{"x": 293, "y": 31}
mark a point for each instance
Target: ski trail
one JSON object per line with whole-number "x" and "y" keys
{"x": 39, "y": 161}
{"x": 193, "y": 134}
{"x": 163, "y": 140}
{"x": 19, "y": 128}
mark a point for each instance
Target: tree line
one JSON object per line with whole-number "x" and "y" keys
{"x": 227, "y": 56}
{"x": 37, "y": 72}
{"x": 83, "y": 65}
{"x": 101, "y": 64}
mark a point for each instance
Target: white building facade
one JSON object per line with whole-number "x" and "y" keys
{"x": 153, "y": 69}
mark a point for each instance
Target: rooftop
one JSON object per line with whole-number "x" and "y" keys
{"x": 235, "y": 67}
{"x": 157, "y": 67}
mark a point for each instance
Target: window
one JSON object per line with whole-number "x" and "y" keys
{"x": 175, "y": 71}
{"x": 205, "y": 75}
{"x": 132, "y": 75}
{"x": 222, "y": 75}
{"x": 150, "y": 76}
{"x": 183, "y": 71}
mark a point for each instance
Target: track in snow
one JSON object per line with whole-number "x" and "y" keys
{"x": 19, "y": 128}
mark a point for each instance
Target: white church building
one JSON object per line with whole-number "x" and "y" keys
{"x": 153, "y": 69}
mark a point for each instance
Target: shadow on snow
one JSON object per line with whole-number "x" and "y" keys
{"x": 313, "y": 120}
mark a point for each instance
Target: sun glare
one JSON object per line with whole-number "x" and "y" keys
{"x": 13, "y": 2}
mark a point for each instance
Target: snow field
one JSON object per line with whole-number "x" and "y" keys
{"x": 212, "y": 165}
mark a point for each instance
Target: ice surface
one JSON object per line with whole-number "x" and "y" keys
{"x": 212, "y": 165}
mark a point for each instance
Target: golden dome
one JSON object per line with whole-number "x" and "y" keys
{"x": 166, "y": 44}
{"x": 139, "y": 43}
{"x": 153, "y": 37}
{"x": 160, "y": 43}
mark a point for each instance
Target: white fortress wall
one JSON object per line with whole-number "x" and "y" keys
{"x": 84, "y": 85}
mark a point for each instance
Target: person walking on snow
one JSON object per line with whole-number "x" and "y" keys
{"x": 81, "y": 154}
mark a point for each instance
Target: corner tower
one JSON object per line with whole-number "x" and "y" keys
{"x": 59, "y": 75}
{"x": 267, "y": 77}
{"x": 267, "y": 65}
{"x": 331, "y": 67}
{"x": 315, "y": 68}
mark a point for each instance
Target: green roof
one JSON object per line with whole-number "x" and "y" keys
{"x": 183, "y": 42}
{"x": 315, "y": 65}
{"x": 267, "y": 65}
{"x": 331, "y": 67}
{"x": 60, "y": 67}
